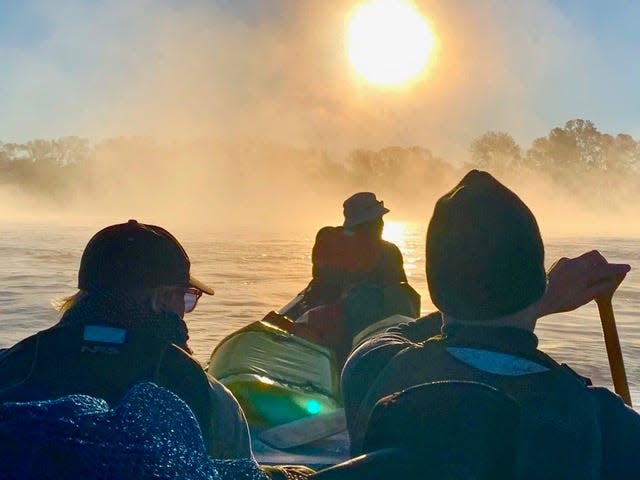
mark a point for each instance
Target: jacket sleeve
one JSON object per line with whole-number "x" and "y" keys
{"x": 16, "y": 362}
{"x": 222, "y": 422}
{"x": 419, "y": 330}
{"x": 391, "y": 266}
{"x": 231, "y": 431}
{"x": 319, "y": 251}
{"x": 620, "y": 430}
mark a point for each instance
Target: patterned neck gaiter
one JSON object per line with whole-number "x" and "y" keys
{"x": 121, "y": 310}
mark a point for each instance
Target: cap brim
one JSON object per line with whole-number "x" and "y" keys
{"x": 194, "y": 282}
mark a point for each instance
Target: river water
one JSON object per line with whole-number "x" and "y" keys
{"x": 254, "y": 272}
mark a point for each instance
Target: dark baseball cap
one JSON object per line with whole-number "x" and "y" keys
{"x": 133, "y": 255}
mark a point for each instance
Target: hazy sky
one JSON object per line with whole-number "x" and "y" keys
{"x": 277, "y": 69}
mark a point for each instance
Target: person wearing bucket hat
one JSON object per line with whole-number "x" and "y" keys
{"x": 125, "y": 325}
{"x": 353, "y": 258}
{"x": 355, "y": 252}
{"x": 485, "y": 273}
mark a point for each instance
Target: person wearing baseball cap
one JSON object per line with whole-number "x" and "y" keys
{"x": 486, "y": 275}
{"x": 125, "y": 325}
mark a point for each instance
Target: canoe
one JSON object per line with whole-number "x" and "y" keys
{"x": 289, "y": 389}
{"x": 286, "y": 376}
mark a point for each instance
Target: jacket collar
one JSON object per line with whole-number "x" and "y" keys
{"x": 516, "y": 341}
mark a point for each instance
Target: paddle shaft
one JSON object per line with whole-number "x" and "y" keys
{"x": 614, "y": 352}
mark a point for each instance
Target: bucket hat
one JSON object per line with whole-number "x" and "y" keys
{"x": 362, "y": 207}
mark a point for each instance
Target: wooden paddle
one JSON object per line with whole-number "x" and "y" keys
{"x": 614, "y": 352}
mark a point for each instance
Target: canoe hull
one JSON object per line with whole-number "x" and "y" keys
{"x": 277, "y": 377}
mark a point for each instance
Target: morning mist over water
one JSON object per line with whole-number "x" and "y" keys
{"x": 576, "y": 179}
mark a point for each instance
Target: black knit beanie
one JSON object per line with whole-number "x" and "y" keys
{"x": 484, "y": 253}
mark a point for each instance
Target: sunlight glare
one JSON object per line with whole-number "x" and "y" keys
{"x": 389, "y": 42}
{"x": 394, "y": 232}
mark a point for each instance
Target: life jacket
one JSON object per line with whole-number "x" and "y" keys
{"x": 559, "y": 434}
{"x": 104, "y": 361}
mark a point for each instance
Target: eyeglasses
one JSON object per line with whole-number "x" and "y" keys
{"x": 191, "y": 297}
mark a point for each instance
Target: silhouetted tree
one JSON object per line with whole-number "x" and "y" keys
{"x": 362, "y": 166}
{"x": 497, "y": 152}
{"x": 579, "y": 147}
{"x": 620, "y": 154}
{"x": 44, "y": 166}
{"x": 594, "y": 166}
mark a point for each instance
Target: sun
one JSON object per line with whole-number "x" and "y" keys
{"x": 389, "y": 42}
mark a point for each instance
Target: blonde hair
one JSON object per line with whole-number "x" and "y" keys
{"x": 64, "y": 304}
{"x": 145, "y": 296}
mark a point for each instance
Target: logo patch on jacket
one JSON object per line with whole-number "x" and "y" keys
{"x": 101, "y": 339}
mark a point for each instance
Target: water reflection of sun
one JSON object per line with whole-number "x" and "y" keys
{"x": 389, "y": 41}
{"x": 394, "y": 232}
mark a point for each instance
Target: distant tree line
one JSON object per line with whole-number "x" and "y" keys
{"x": 576, "y": 158}
{"x": 578, "y": 147}
{"x": 44, "y": 166}
{"x": 596, "y": 169}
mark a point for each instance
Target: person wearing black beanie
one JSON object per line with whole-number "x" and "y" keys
{"x": 484, "y": 252}
{"x": 485, "y": 273}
